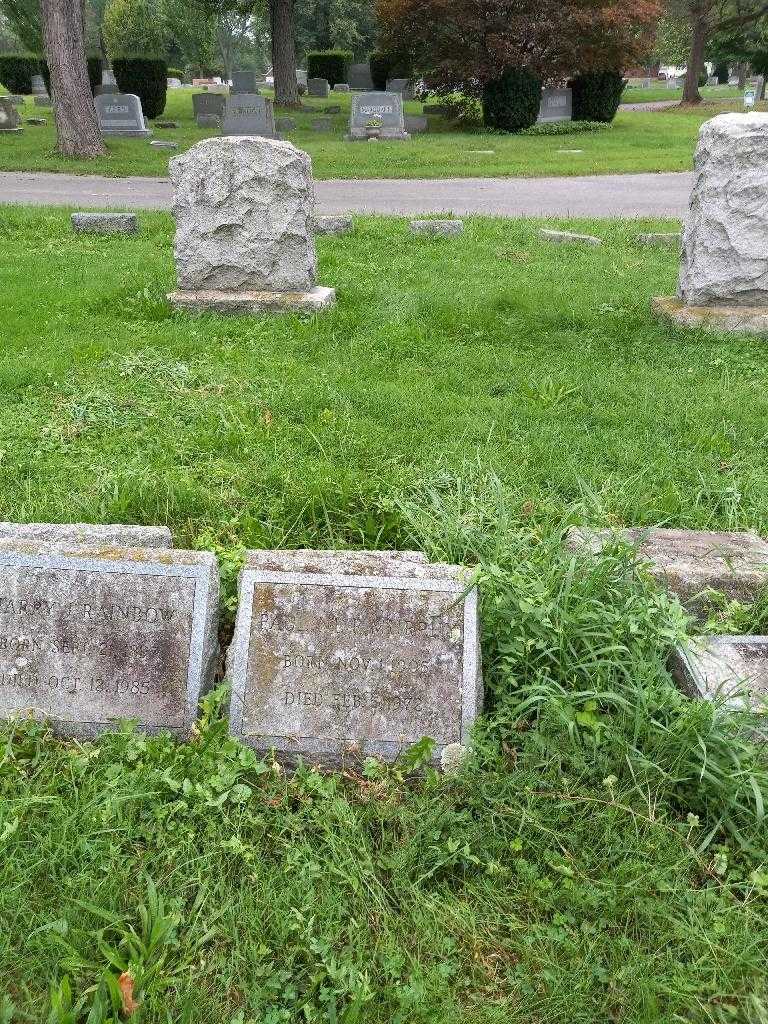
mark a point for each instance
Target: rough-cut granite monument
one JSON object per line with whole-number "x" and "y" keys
{"x": 689, "y": 563}
{"x": 724, "y": 266}
{"x": 88, "y": 637}
{"x": 353, "y": 653}
{"x": 244, "y": 241}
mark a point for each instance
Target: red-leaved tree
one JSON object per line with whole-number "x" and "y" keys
{"x": 464, "y": 44}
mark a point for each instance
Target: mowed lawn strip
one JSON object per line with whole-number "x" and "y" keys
{"x": 636, "y": 142}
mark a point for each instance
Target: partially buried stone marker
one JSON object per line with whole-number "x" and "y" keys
{"x": 88, "y": 638}
{"x": 88, "y": 534}
{"x": 105, "y": 223}
{"x": 244, "y": 241}
{"x": 733, "y": 669}
{"x": 356, "y": 653}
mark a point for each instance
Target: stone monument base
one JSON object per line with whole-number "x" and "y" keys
{"x": 391, "y": 137}
{"x": 734, "y": 319}
{"x": 114, "y": 133}
{"x": 245, "y": 303}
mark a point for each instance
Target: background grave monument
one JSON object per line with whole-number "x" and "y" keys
{"x": 360, "y": 77}
{"x": 208, "y": 108}
{"x": 90, "y": 637}
{"x": 120, "y": 115}
{"x": 556, "y": 105}
{"x": 249, "y": 114}
{"x": 383, "y": 108}
{"x": 723, "y": 283}
{"x": 9, "y": 117}
{"x": 359, "y": 653}
{"x": 318, "y": 87}
{"x": 244, "y": 242}
{"x": 243, "y": 82}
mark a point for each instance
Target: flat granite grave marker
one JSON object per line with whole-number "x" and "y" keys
{"x": 86, "y": 223}
{"x": 248, "y": 113}
{"x": 556, "y": 105}
{"x": 38, "y": 86}
{"x": 379, "y": 112}
{"x": 120, "y": 115}
{"x": 690, "y": 562}
{"x": 208, "y": 108}
{"x": 359, "y": 653}
{"x": 91, "y": 637}
{"x": 359, "y": 77}
{"x": 114, "y": 535}
{"x": 733, "y": 669}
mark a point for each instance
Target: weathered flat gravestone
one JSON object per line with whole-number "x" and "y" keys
{"x": 564, "y": 237}
{"x": 556, "y": 105}
{"x": 166, "y": 124}
{"x": 318, "y": 87}
{"x": 377, "y": 114}
{"x": 301, "y": 77}
{"x": 244, "y": 244}
{"x": 437, "y": 228}
{"x": 359, "y": 77}
{"x": 731, "y": 669}
{"x": 91, "y": 637}
{"x": 105, "y": 223}
{"x": 244, "y": 81}
{"x": 353, "y": 653}
{"x": 331, "y": 108}
{"x": 9, "y": 117}
{"x": 332, "y": 225}
{"x": 88, "y": 535}
{"x": 249, "y": 114}
{"x": 416, "y": 124}
{"x": 38, "y": 86}
{"x": 37, "y": 121}
{"x": 689, "y": 563}
{"x": 210, "y": 106}
{"x": 120, "y": 116}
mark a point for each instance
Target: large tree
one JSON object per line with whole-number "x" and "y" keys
{"x": 77, "y": 128}
{"x": 282, "y": 27}
{"x": 464, "y": 44}
{"x": 708, "y": 18}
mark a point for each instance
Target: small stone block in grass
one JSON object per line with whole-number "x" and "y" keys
{"x": 105, "y": 223}
{"x": 89, "y": 535}
{"x": 690, "y": 563}
{"x": 251, "y": 303}
{"x": 166, "y": 124}
{"x": 331, "y": 225}
{"x": 158, "y": 144}
{"x": 342, "y": 654}
{"x": 438, "y": 228}
{"x": 17, "y": 101}
{"x": 661, "y": 239}
{"x": 90, "y": 637}
{"x": 721, "y": 319}
{"x": 732, "y": 669}
{"x": 566, "y": 237}
{"x": 37, "y": 122}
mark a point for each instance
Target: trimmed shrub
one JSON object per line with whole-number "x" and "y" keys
{"x": 511, "y": 103}
{"x": 597, "y": 95}
{"x": 147, "y": 78}
{"x": 176, "y": 73}
{"x": 94, "y": 72}
{"x": 332, "y": 65}
{"x": 385, "y": 66}
{"x": 16, "y": 70}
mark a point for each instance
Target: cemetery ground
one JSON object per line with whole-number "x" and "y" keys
{"x": 636, "y": 141}
{"x": 602, "y": 855}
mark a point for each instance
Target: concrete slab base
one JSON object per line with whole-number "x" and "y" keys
{"x": 248, "y": 303}
{"x": 730, "y": 319}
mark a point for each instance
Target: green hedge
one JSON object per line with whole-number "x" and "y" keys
{"x": 597, "y": 95}
{"x": 145, "y": 77}
{"x": 16, "y": 70}
{"x": 94, "y": 72}
{"x": 176, "y": 73}
{"x": 387, "y": 65}
{"x": 332, "y": 65}
{"x": 512, "y": 102}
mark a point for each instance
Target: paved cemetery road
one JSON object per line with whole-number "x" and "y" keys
{"x": 609, "y": 195}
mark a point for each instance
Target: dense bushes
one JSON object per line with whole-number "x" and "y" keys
{"x": 596, "y": 95}
{"x": 721, "y": 72}
{"x": 16, "y": 70}
{"x": 176, "y": 73}
{"x": 512, "y": 102}
{"x": 332, "y": 65}
{"x": 388, "y": 65}
{"x": 147, "y": 78}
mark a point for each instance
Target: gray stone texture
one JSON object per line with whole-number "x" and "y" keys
{"x": 120, "y": 116}
{"x": 164, "y": 144}
{"x": 689, "y": 563}
{"x": 349, "y": 654}
{"x": 249, "y": 114}
{"x": 243, "y": 81}
{"x": 88, "y": 535}
{"x": 725, "y": 239}
{"x": 318, "y": 87}
{"x": 167, "y": 124}
{"x": 38, "y": 86}
{"x": 243, "y": 208}
{"x": 729, "y": 669}
{"x": 105, "y": 223}
{"x": 248, "y": 302}
{"x": 359, "y": 76}
{"x": 38, "y": 122}
{"x": 556, "y": 105}
{"x": 416, "y": 124}
{"x": 444, "y": 228}
{"x": 565, "y": 237}
{"x": 386, "y": 108}
{"x": 91, "y": 637}
{"x": 9, "y": 117}
{"x": 341, "y": 87}
{"x": 16, "y": 101}
{"x": 329, "y": 225}
{"x": 208, "y": 108}
{"x": 720, "y": 319}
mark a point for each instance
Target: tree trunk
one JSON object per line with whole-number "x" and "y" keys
{"x": 699, "y": 33}
{"x": 283, "y": 53}
{"x": 77, "y": 128}
{"x": 741, "y": 70}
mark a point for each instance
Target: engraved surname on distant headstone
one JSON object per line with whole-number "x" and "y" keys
{"x": 384, "y": 107}
{"x": 327, "y": 663}
{"x": 556, "y": 105}
{"x": 87, "y": 639}
{"x": 120, "y": 114}
{"x": 249, "y": 114}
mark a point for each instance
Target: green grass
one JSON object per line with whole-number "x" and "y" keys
{"x": 637, "y": 141}
{"x": 710, "y": 93}
{"x": 602, "y": 858}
